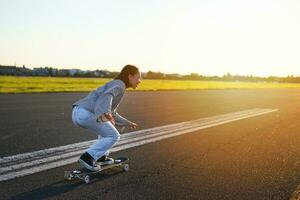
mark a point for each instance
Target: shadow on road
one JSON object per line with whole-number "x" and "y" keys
{"x": 60, "y": 187}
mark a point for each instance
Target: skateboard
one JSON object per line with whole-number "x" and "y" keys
{"x": 85, "y": 174}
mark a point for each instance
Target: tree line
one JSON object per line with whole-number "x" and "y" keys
{"x": 49, "y": 71}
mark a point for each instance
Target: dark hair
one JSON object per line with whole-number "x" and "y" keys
{"x": 123, "y": 75}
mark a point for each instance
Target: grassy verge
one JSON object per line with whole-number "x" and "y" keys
{"x": 14, "y": 84}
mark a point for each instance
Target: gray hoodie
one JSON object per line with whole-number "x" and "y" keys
{"x": 106, "y": 99}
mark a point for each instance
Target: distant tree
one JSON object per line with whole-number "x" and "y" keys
{"x": 155, "y": 75}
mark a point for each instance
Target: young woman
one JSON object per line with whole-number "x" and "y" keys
{"x": 98, "y": 112}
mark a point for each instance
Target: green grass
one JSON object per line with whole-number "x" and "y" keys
{"x": 14, "y": 84}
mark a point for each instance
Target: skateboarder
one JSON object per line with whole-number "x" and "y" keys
{"x": 97, "y": 112}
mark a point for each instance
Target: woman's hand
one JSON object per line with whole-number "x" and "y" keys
{"x": 133, "y": 125}
{"x": 110, "y": 118}
{"x": 106, "y": 117}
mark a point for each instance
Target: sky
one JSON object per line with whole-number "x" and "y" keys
{"x": 257, "y": 37}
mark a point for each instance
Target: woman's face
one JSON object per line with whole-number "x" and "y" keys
{"x": 134, "y": 80}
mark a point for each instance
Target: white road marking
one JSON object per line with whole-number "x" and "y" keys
{"x": 71, "y": 147}
{"x": 29, "y": 163}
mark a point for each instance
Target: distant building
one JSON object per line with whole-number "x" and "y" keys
{"x": 73, "y": 71}
{"x": 40, "y": 71}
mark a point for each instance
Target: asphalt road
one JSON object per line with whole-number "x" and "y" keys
{"x": 255, "y": 158}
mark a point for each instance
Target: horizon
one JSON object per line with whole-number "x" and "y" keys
{"x": 144, "y": 72}
{"x": 258, "y": 38}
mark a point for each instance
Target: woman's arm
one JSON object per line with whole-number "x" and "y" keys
{"x": 103, "y": 104}
{"x": 122, "y": 121}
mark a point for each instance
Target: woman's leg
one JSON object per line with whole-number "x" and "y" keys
{"x": 102, "y": 145}
{"x": 108, "y": 135}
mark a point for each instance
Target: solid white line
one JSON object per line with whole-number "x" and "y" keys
{"x": 68, "y": 154}
{"x": 62, "y": 149}
{"x": 51, "y": 158}
{"x": 129, "y": 144}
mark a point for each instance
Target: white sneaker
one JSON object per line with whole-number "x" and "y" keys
{"x": 105, "y": 160}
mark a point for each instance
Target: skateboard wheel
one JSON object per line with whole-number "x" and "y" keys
{"x": 126, "y": 168}
{"x": 70, "y": 177}
{"x": 67, "y": 175}
{"x": 87, "y": 179}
